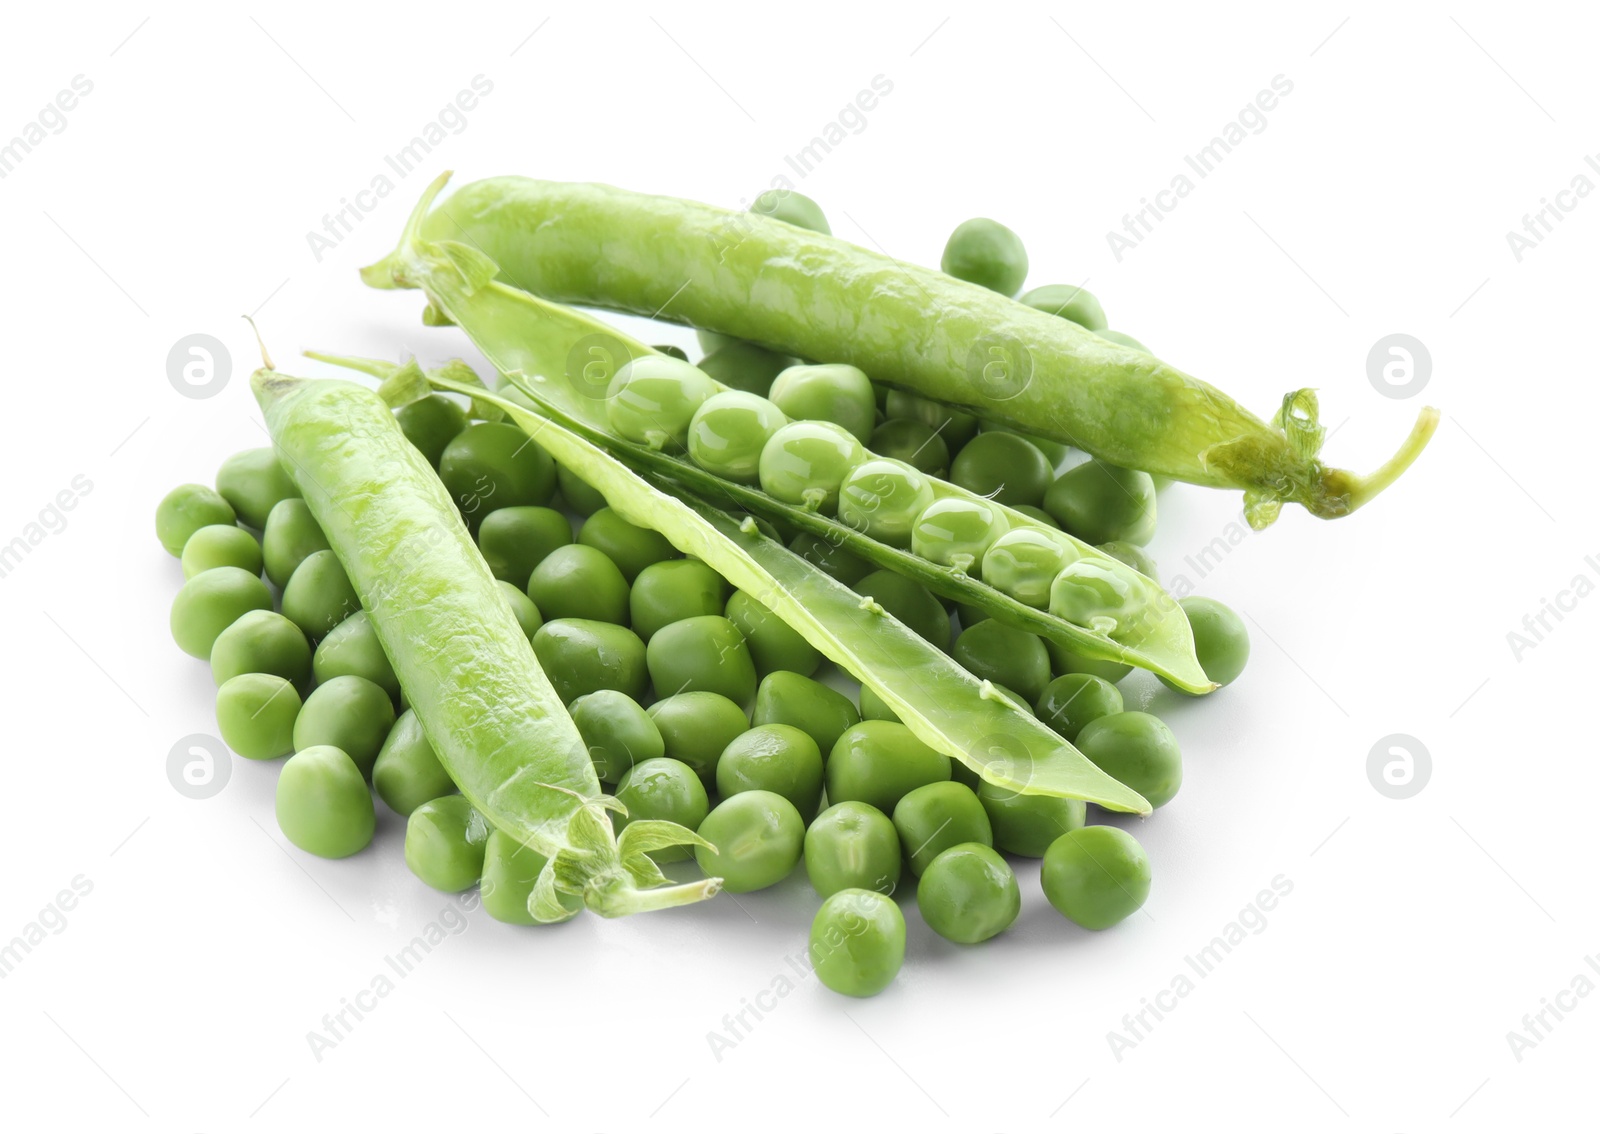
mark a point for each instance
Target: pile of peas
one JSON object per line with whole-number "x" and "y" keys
{"x": 698, "y": 705}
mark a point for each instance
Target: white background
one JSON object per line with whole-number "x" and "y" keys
{"x": 1418, "y": 933}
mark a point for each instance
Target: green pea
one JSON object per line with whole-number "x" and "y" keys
{"x": 728, "y": 432}
{"x": 210, "y": 602}
{"x": 793, "y": 208}
{"x": 883, "y": 498}
{"x": 848, "y": 568}
{"x": 255, "y": 714}
{"x": 903, "y": 439}
{"x": 1221, "y": 641}
{"x": 187, "y": 509}
{"x": 836, "y": 392}
{"x": 1004, "y": 467}
{"x": 580, "y": 656}
{"x": 858, "y": 942}
{"x": 522, "y": 608}
{"x": 707, "y": 654}
{"x": 776, "y": 758}
{"x": 350, "y": 714}
{"x": 1068, "y": 302}
{"x": 1091, "y": 594}
{"x": 617, "y": 731}
{"x": 319, "y": 596}
{"x": 1121, "y": 339}
{"x": 986, "y": 253}
{"x": 757, "y": 836}
{"x": 579, "y": 495}
{"x": 221, "y": 545}
{"x": 956, "y": 532}
{"x": 773, "y": 644}
{"x": 712, "y": 341}
{"x": 874, "y": 708}
{"x": 696, "y": 728}
{"x": 1096, "y": 876}
{"x": 852, "y": 845}
{"x": 937, "y": 816}
{"x": 1100, "y": 503}
{"x": 1074, "y": 699}
{"x": 1028, "y": 824}
{"x": 1038, "y": 515}
{"x": 1130, "y": 555}
{"x": 261, "y": 641}
{"x": 1137, "y": 749}
{"x": 292, "y": 533}
{"x": 577, "y": 581}
{"x": 445, "y": 843}
{"x": 493, "y": 465}
{"x": 878, "y": 762}
{"x": 352, "y": 648}
{"x": 323, "y": 804}
{"x": 510, "y": 872}
{"x": 407, "y": 773}
{"x": 663, "y": 788}
{"x": 1024, "y": 563}
{"x": 805, "y": 462}
{"x": 910, "y": 602}
{"x": 630, "y": 547}
{"x": 669, "y": 592}
{"x": 253, "y": 482}
{"x": 954, "y": 426}
{"x": 821, "y": 713}
{"x": 1054, "y": 451}
{"x": 652, "y": 400}
{"x": 744, "y": 366}
{"x": 1064, "y": 661}
{"x": 968, "y": 894}
{"x": 431, "y": 424}
{"x": 1006, "y": 656}
{"x": 516, "y": 540}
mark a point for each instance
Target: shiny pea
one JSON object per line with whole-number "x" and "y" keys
{"x": 934, "y": 817}
{"x": 516, "y": 540}
{"x": 968, "y": 894}
{"x": 858, "y": 942}
{"x": 757, "y": 836}
{"x": 728, "y": 432}
{"x": 221, "y": 545}
{"x": 1028, "y": 824}
{"x": 253, "y": 482}
{"x": 618, "y": 732}
{"x": 956, "y": 532}
{"x": 1024, "y": 563}
{"x": 852, "y": 845}
{"x": 805, "y": 462}
{"x": 883, "y": 498}
{"x": 773, "y": 644}
{"x": 834, "y": 392}
{"x": 696, "y": 728}
{"x": 878, "y": 762}
{"x": 292, "y": 533}
{"x": 1074, "y": 699}
{"x": 667, "y": 789}
{"x": 580, "y": 656}
{"x": 445, "y": 843}
{"x": 323, "y": 804}
{"x": 822, "y": 713}
{"x": 407, "y": 773}
{"x": 652, "y": 400}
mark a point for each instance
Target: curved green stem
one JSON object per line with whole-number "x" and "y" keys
{"x": 1347, "y": 491}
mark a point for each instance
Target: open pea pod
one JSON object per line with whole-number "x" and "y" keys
{"x": 944, "y": 705}
{"x": 563, "y": 360}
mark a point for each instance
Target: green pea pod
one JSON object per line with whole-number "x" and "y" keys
{"x": 949, "y": 709}
{"x": 495, "y": 722}
{"x": 543, "y": 348}
{"x": 816, "y": 296}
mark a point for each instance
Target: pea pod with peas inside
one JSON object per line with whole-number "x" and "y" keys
{"x": 943, "y": 705}
{"x": 816, "y": 296}
{"x": 1108, "y": 611}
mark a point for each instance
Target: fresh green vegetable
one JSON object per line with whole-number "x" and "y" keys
{"x": 653, "y": 399}
{"x": 1074, "y": 699}
{"x": 751, "y": 840}
{"x": 1137, "y": 558}
{"x": 1066, "y": 302}
{"x": 352, "y": 649}
{"x": 935, "y": 817}
{"x": 256, "y": 713}
{"x": 348, "y": 713}
{"x": 577, "y": 493}
{"x": 1137, "y": 749}
{"x": 187, "y": 509}
{"x": 773, "y": 645}
{"x": 1012, "y": 658}
{"x": 221, "y": 545}
{"x": 618, "y": 731}
{"x": 319, "y": 595}
{"x": 835, "y": 393}
{"x": 516, "y": 540}
{"x": 789, "y": 698}
{"x": 253, "y": 482}
{"x": 663, "y": 789}
{"x": 873, "y": 708}
{"x": 905, "y": 325}
{"x": 1028, "y": 824}
{"x": 323, "y": 804}
{"x": 496, "y": 724}
{"x": 902, "y": 439}
{"x": 210, "y": 602}
{"x": 956, "y": 533}
{"x": 445, "y": 843}
{"x": 910, "y": 602}
{"x": 492, "y": 465}
{"x": 883, "y": 498}
{"x": 702, "y": 654}
{"x": 831, "y": 558}
{"x": 986, "y": 253}
{"x": 631, "y": 547}
{"x": 744, "y": 366}
{"x": 1099, "y": 503}
{"x": 1096, "y": 876}
{"x": 792, "y": 207}
{"x": 777, "y": 758}
{"x": 522, "y": 608}
{"x": 291, "y": 535}
{"x": 431, "y": 424}
{"x": 261, "y": 641}
{"x": 728, "y": 432}
{"x": 1221, "y": 640}
{"x": 1024, "y": 564}
{"x": 582, "y": 655}
{"x": 878, "y": 762}
{"x": 671, "y": 591}
{"x": 696, "y": 728}
{"x": 968, "y": 894}
{"x": 510, "y": 874}
{"x": 407, "y": 773}
{"x": 852, "y": 845}
{"x": 805, "y": 462}
{"x": 1004, "y": 467}
{"x": 577, "y": 581}
{"x": 858, "y": 942}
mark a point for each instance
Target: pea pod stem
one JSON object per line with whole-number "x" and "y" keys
{"x": 813, "y": 295}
